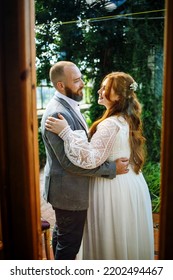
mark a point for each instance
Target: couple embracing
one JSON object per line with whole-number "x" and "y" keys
{"x": 93, "y": 179}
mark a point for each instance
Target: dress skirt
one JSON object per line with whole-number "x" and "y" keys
{"x": 119, "y": 224}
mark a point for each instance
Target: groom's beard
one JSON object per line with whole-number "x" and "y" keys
{"x": 77, "y": 96}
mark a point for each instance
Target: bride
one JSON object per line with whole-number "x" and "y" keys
{"x": 119, "y": 223}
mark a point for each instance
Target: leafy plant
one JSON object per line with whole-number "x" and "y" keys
{"x": 151, "y": 172}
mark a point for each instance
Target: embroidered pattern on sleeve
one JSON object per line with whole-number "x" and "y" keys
{"x": 91, "y": 154}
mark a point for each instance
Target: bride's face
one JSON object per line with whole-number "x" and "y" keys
{"x": 102, "y": 100}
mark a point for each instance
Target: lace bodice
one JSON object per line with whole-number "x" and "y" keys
{"x": 109, "y": 142}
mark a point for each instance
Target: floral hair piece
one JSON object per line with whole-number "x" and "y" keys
{"x": 134, "y": 86}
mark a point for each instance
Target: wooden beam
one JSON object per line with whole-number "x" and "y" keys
{"x": 19, "y": 183}
{"x": 166, "y": 220}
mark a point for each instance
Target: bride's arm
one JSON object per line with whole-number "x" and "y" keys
{"x": 80, "y": 152}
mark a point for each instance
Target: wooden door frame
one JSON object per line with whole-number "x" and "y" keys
{"x": 166, "y": 220}
{"x": 19, "y": 174}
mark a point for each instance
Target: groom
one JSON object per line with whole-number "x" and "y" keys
{"x": 66, "y": 185}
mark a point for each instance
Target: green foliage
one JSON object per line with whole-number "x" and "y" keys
{"x": 55, "y": 41}
{"x": 86, "y": 115}
{"x": 151, "y": 172}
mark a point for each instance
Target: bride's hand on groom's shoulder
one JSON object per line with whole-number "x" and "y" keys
{"x": 56, "y": 125}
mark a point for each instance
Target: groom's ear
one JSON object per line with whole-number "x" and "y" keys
{"x": 60, "y": 87}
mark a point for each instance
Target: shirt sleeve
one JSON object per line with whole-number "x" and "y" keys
{"x": 91, "y": 154}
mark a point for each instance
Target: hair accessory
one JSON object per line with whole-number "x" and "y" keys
{"x": 134, "y": 86}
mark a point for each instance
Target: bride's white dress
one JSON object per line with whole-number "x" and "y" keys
{"x": 119, "y": 224}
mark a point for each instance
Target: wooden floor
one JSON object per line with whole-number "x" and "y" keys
{"x": 48, "y": 214}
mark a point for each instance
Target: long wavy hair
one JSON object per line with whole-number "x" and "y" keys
{"x": 129, "y": 107}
